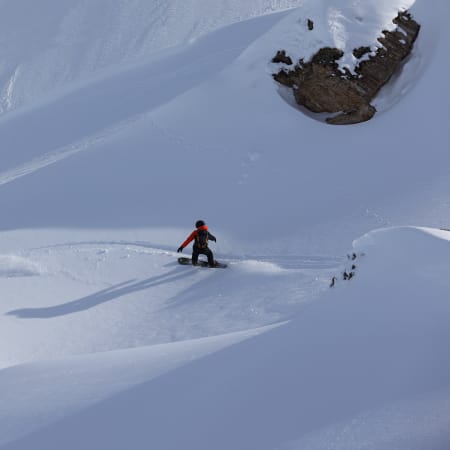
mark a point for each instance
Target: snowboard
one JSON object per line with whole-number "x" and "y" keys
{"x": 188, "y": 262}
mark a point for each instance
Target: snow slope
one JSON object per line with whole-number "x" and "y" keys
{"x": 374, "y": 350}
{"x": 82, "y": 292}
{"x": 47, "y": 45}
{"x": 326, "y": 171}
{"x": 113, "y": 144}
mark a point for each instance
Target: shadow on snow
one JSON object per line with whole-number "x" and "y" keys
{"x": 98, "y": 298}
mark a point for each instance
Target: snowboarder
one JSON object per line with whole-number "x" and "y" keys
{"x": 201, "y": 235}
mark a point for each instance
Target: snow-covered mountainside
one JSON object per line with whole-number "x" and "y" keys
{"x": 49, "y": 44}
{"x": 125, "y": 121}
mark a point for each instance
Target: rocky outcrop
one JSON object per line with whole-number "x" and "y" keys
{"x": 282, "y": 58}
{"x": 322, "y": 86}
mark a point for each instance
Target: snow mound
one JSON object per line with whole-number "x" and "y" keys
{"x": 65, "y": 386}
{"x": 16, "y": 266}
{"x": 395, "y": 245}
{"x": 260, "y": 267}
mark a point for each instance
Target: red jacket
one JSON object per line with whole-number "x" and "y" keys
{"x": 193, "y": 235}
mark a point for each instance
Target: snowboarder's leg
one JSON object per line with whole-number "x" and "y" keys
{"x": 210, "y": 257}
{"x": 195, "y": 254}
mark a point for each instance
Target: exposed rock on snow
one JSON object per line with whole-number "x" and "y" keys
{"x": 282, "y": 58}
{"x": 322, "y": 86}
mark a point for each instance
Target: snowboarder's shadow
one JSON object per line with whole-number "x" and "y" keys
{"x": 98, "y": 298}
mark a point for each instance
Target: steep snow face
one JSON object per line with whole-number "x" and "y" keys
{"x": 78, "y": 382}
{"x": 50, "y": 43}
{"x": 174, "y": 114}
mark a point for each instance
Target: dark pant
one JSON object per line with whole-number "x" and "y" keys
{"x": 202, "y": 251}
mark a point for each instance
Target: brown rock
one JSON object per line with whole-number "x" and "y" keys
{"x": 281, "y": 57}
{"x": 321, "y": 86}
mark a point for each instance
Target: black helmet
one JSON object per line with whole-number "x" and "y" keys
{"x": 199, "y": 223}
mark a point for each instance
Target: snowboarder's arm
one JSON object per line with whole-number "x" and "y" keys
{"x": 211, "y": 237}
{"x": 189, "y": 239}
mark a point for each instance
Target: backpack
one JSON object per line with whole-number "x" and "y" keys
{"x": 202, "y": 239}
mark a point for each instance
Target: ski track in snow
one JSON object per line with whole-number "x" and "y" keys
{"x": 64, "y": 152}
{"x": 102, "y": 136}
{"x": 283, "y": 261}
